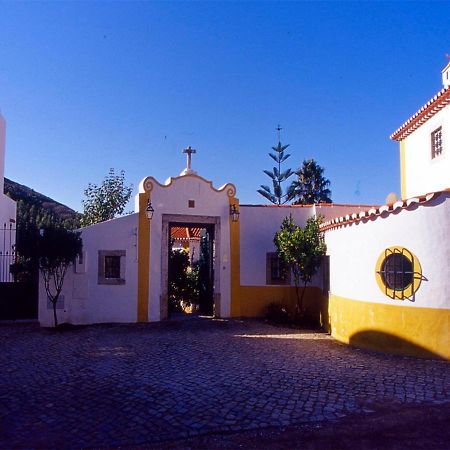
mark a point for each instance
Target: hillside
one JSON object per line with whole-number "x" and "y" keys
{"x": 34, "y": 207}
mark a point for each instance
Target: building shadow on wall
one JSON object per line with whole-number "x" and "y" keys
{"x": 388, "y": 343}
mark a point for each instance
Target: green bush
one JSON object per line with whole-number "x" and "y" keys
{"x": 278, "y": 313}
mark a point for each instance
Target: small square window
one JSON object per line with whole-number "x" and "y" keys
{"x": 111, "y": 267}
{"x": 276, "y": 271}
{"x": 191, "y": 203}
{"x": 436, "y": 142}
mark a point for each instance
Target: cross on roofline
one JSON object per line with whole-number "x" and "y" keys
{"x": 189, "y": 152}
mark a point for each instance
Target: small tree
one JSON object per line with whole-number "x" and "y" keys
{"x": 277, "y": 176}
{"x": 57, "y": 249}
{"x": 106, "y": 201}
{"x": 301, "y": 250}
{"x": 310, "y": 186}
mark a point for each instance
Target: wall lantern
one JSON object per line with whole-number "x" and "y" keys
{"x": 234, "y": 213}
{"x": 149, "y": 210}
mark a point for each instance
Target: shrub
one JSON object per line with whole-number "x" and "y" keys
{"x": 277, "y": 313}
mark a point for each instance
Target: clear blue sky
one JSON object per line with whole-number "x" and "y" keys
{"x": 88, "y": 86}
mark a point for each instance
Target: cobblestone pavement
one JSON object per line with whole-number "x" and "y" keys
{"x": 125, "y": 385}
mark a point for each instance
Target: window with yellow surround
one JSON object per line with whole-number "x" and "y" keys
{"x": 398, "y": 273}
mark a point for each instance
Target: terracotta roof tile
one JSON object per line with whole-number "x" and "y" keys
{"x": 373, "y": 212}
{"x": 433, "y": 106}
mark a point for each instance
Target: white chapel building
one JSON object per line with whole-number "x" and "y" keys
{"x": 7, "y": 213}
{"x": 385, "y": 283}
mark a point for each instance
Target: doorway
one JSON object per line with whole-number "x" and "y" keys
{"x": 191, "y": 269}
{"x": 190, "y": 283}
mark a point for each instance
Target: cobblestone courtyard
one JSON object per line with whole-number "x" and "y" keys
{"x": 129, "y": 385}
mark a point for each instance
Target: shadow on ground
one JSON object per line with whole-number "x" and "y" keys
{"x": 388, "y": 343}
{"x": 388, "y": 426}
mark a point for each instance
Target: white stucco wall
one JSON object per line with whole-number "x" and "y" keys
{"x": 172, "y": 199}
{"x": 2, "y": 151}
{"x": 424, "y": 174}
{"x": 258, "y": 225}
{"x": 86, "y": 301}
{"x": 7, "y": 210}
{"x": 423, "y": 230}
{"x": 7, "y": 206}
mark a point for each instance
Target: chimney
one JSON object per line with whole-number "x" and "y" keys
{"x": 446, "y": 76}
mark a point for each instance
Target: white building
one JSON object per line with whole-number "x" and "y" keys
{"x": 386, "y": 284}
{"x": 7, "y": 213}
{"x": 389, "y": 266}
{"x": 425, "y": 145}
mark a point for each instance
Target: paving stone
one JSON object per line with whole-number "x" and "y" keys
{"x": 128, "y": 385}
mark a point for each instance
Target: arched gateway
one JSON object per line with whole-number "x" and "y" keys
{"x": 185, "y": 201}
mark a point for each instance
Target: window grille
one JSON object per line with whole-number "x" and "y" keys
{"x": 436, "y": 142}
{"x": 276, "y": 270}
{"x": 397, "y": 273}
{"x": 112, "y": 267}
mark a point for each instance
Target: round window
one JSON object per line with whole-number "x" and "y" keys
{"x": 398, "y": 272}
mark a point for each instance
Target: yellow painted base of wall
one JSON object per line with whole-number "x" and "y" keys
{"x": 254, "y": 301}
{"x": 423, "y": 332}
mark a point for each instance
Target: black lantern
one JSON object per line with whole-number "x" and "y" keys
{"x": 234, "y": 213}
{"x": 149, "y": 210}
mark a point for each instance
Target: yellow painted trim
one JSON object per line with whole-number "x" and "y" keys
{"x": 143, "y": 259}
{"x": 235, "y": 261}
{"x": 398, "y": 328}
{"x": 417, "y": 277}
{"x": 256, "y": 299}
{"x": 402, "y": 169}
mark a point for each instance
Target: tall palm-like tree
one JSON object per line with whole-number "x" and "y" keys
{"x": 310, "y": 186}
{"x": 276, "y": 194}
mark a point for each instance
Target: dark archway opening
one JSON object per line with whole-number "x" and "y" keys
{"x": 191, "y": 269}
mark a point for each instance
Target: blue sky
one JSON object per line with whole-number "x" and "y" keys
{"x": 85, "y": 86}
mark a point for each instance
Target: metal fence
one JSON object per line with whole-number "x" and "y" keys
{"x": 8, "y": 253}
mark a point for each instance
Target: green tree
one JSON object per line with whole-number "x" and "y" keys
{"x": 301, "y": 250}
{"x": 183, "y": 279}
{"x": 57, "y": 250}
{"x": 310, "y": 186}
{"x": 25, "y": 267}
{"x": 276, "y": 194}
{"x": 106, "y": 201}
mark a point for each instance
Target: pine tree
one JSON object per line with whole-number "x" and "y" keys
{"x": 276, "y": 195}
{"x": 310, "y": 186}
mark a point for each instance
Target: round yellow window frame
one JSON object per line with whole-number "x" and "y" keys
{"x": 409, "y": 290}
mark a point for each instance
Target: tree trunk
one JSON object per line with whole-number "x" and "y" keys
{"x": 301, "y": 299}
{"x": 298, "y": 308}
{"x": 54, "y": 313}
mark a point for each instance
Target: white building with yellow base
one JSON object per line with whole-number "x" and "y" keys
{"x": 385, "y": 283}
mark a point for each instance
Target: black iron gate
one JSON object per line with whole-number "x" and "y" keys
{"x": 7, "y": 252}
{"x": 18, "y": 295}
